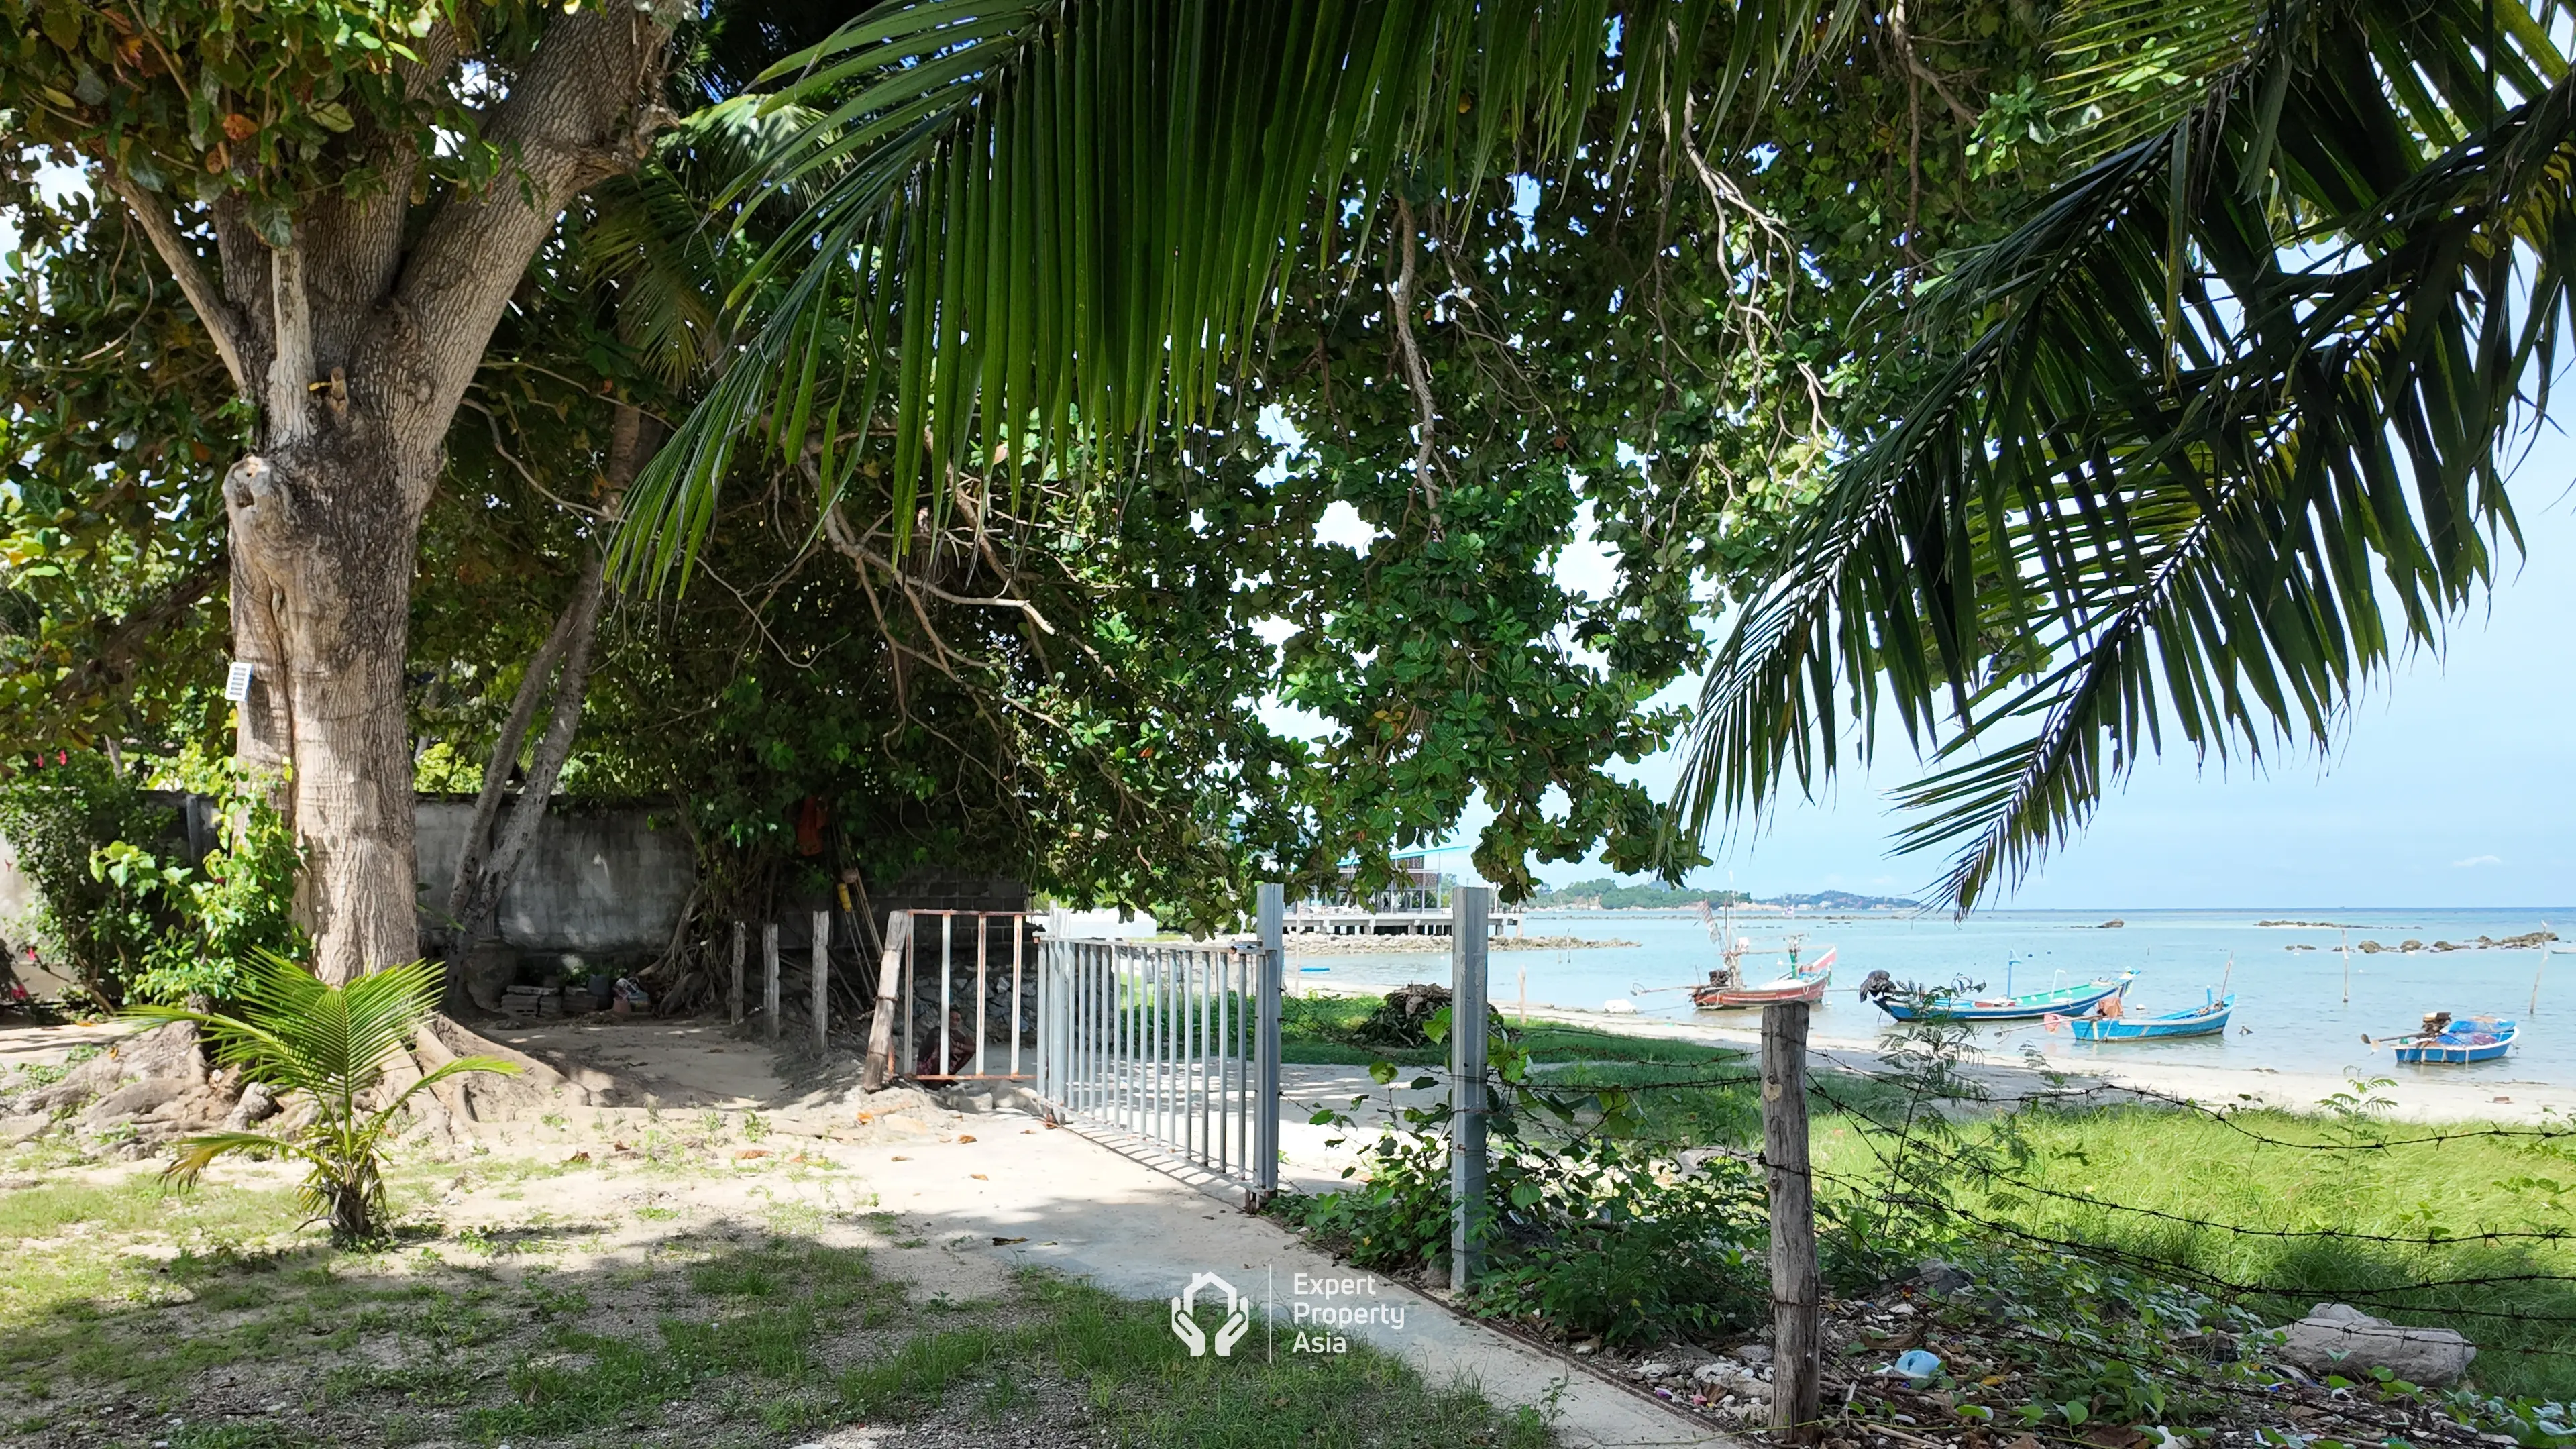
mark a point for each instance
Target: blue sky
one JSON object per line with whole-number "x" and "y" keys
{"x": 2453, "y": 783}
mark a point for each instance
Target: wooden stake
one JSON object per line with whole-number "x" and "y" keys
{"x": 879, "y": 1067}
{"x": 733, "y": 994}
{"x": 1797, "y": 1353}
{"x": 822, "y": 981}
{"x": 769, "y": 985}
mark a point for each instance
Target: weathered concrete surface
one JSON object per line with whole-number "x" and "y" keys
{"x": 593, "y": 882}
{"x": 1055, "y": 1199}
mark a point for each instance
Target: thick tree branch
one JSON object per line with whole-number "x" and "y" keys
{"x": 579, "y": 111}
{"x": 489, "y": 862}
{"x": 221, "y": 322}
{"x": 496, "y": 771}
{"x": 289, "y": 412}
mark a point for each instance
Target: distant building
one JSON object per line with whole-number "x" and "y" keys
{"x": 1416, "y": 903}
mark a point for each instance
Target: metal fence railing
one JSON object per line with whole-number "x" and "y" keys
{"x": 1177, "y": 1044}
{"x": 957, "y": 1000}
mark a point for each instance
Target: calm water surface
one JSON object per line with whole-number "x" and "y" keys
{"x": 2290, "y": 1008}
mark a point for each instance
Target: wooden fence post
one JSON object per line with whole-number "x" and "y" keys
{"x": 769, "y": 984}
{"x": 891, "y": 998}
{"x": 733, "y": 993}
{"x": 822, "y": 981}
{"x": 1797, "y": 1355}
{"x": 1469, "y": 909}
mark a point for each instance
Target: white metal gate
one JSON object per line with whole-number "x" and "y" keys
{"x": 1176, "y": 1044}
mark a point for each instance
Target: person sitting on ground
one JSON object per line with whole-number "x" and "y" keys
{"x": 961, "y": 1048}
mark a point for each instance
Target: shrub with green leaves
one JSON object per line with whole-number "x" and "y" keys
{"x": 227, "y": 908}
{"x": 1601, "y": 1240}
{"x": 325, "y": 1050}
{"x": 1596, "y": 1234}
{"x": 57, "y": 818}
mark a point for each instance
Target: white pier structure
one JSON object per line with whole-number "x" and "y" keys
{"x": 1313, "y": 919}
{"x": 1417, "y": 906}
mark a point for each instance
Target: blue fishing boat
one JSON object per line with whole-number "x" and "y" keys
{"x": 1952, "y": 1006}
{"x": 2446, "y": 1042}
{"x": 2206, "y": 1019}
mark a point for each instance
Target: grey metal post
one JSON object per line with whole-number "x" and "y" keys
{"x": 769, "y": 986}
{"x": 822, "y": 980}
{"x": 947, "y": 981}
{"x": 1468, "y": 910}
{"x": 1049, "y": 1053}
{"x": 1271, "y": 905}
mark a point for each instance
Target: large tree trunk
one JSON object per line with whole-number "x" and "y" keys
{"x": 356, "y": 340}
{"x": 323, "y": 551}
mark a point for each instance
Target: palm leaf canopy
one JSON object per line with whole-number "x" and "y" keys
{"x": 1039, "y": 228}
{"x": 299, "y": 1035}
{"x": 2224, "y": 425}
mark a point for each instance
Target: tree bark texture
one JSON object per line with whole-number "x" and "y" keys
{"x": 356, "y": 341}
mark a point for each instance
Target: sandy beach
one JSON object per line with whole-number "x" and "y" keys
{"x": 2418, "y": 1094}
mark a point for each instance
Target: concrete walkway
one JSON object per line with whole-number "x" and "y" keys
{"x": 1058, "y": 1199}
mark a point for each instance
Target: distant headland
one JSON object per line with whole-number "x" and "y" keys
{"x": 1609, "y": 895}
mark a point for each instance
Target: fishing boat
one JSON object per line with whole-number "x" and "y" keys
{"x": 2443, "y": 1041}
{"x": 1952, "y": 1006}
{"x": 2206, "y": 1019}
{"x": 1803, "y": 983}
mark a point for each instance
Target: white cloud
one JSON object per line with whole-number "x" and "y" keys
{"x": 2476, "y": 860}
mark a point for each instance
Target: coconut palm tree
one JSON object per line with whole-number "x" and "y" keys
{"x": 2225, "y": 426}
{"x": 325, "y": 1051}
{"x": 1065, "y": 222}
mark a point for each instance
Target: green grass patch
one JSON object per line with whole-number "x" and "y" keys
{"x": 2311, "y": 1215}
{"x": 1331, "y": 1031}
{"x": 1154, "y": 1394}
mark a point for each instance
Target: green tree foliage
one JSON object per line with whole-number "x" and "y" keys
{"x": 1649, "y": 347}
{"x": 57, "y": 818}
{"x": 113, "y": 409}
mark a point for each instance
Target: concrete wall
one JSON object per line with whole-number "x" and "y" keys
{"x": 594, "y": 883}
{"x": 605, "y": 884}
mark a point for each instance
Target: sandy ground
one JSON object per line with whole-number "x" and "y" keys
{"x": 972, "y": 1195}
{"x": 2421, "y": 1094}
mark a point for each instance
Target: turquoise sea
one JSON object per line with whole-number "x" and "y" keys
{"x": 2291, "y": 1007}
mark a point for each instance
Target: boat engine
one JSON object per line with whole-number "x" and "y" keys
{"x": 1877, "y": 984}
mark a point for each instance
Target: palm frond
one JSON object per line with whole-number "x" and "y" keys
{"x": 197, "y": 1153}
{"x": 1041, "y": 227}
{"x": 330, "y": 1045}
{"x": 2204, "y": 434}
